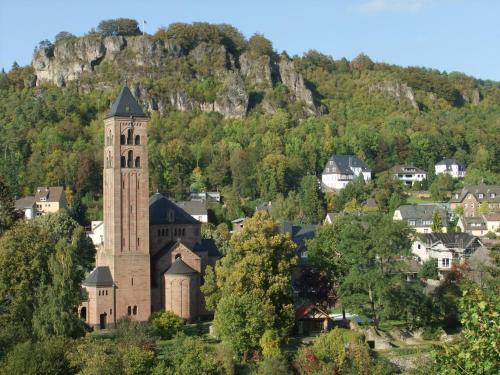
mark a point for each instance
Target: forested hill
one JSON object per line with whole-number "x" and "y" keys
{"x": 233, "y": 114}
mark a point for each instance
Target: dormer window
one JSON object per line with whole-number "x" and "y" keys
{"x": 492, "y": 195}
{"x": 481, "y": 195}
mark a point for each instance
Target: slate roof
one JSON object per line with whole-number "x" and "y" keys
{"x": 126, "y": 105}
{"x": 180, "y": 268}
{"x": 163, "y": 211}
{"x": 342, "y": 164}
{"x": 24, "y": 202}
{"x": 421, "y": 212}
{"x": 100, "y": 277}
{"x": 475, "y": 190}
{"x": 473, "y": 223}
{"x": 193, "y": 208}
{"x": 458, "y": 241}
{"x": 207, "y": 245}
{"x": 302, "y": 311}
{"x": 51, "y": 193}
{"x": 451, "y": 161}
{"x": 407, "y": 169}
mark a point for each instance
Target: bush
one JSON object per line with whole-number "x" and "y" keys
{"x": 273, "y": 366}
{"x": 270, "y": 344}
{"x": 166, "y": 324}
{"x": 41, "y": 358}
{"x": 429, "y": 270}
{"x": 258, "y": 45}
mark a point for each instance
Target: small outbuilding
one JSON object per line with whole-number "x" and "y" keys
{"x": 311, "y": 319}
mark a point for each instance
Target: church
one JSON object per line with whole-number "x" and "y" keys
{"x": 152, "y": 257}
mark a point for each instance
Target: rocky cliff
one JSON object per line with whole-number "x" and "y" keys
{"x": 163, "y": 74}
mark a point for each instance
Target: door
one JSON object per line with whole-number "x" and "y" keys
{"x": 102, "y": 321}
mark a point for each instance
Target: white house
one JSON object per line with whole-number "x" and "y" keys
{"x": 445, "y": 248}
{"x": 419, "y": 216}
{"x": 492, "y": 222}
{"x": 96, "y": 233}
{"x": 473, "y": 225}
{"x": 197, "y": 209}
{"x": 26, "y": 205}
{"x": 408, "y": 174}
{"x": 342, "y": 169}
{"x": 451, "y": 166}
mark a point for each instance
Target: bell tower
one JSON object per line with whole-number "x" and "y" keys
{"x": 126, "y": 207}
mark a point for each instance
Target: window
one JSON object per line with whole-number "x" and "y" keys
{"x": 419, "y": 246}
{"x": 122, "y": 139}
{"x": 99, "y": 292}
{"x": 122, "y": 162}
{"x": 106, "y": 292}
{"x": 166, "y": 232}
{"x": 138, "y": 241}
{"x": 129, "y": 136}
{"x": 183, "y": 232}
{"x": 129, "y": 310}
{"x": 130, "y": 158}
{"x": 445, "y": 262}
{"x": 159, "y": 232}
{"x": 303, "y": 254}
{"x": 137, "y": 140}
{"x": 137, "y": 162}
{"x": 481, "y": 196}
{"x": 134, "y": 310}
{"x": 412, "y": 222}
{"x": 492, "y": 195}
{"x": 110, "y": 311}
{"x": 132, "y": 281}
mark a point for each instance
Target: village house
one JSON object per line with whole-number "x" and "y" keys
{"x": 49, "y": 200}
{"x": 475, "y": 225}
{"x": 419, "y": 216}
{"x": 26, "y": 206}
{"x": 471, "y": 197}
{"x": 492, "y": 222}
{"x": 408, "y": 174}
{"x": 453, "y": 167}
{"x": 214, "y": 196}
{"x": 197, "y": 209}
{"x": 446, "y": 249}
{"x": 238, "y": 224}
{"x": 342, "y": 169}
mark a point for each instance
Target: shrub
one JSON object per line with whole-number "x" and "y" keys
{"x": 119, "y": 26}
{"x": 166, "y": 324}
{"x": 270, "y": 344}
{"x": 277, "y": 365}
{"x": 429, "y": 270}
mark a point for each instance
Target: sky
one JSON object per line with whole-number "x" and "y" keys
{"x": 448, "y": 35}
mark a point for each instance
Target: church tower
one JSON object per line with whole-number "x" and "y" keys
{"x": 126, "y": 208}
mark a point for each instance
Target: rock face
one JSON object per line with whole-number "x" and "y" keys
{"x": 396, "y": 89}
{"x": 471, "y": 96}
{"x": 136, "y": 57}
{"x": 295, "y": 83}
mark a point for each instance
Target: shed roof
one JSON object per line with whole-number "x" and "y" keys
{"x": 100, "y": 277}
{"x": 180, "y": 268}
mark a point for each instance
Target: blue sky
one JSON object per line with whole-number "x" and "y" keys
{"x": 451, "y": 35}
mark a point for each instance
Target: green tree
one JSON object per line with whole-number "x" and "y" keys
{"x": 7, "y": 215}
{"x": 362, "y": 255}
{"x": 311, "y": 200}
{"x": 44, "y": 261}
{"x": 256, "y": 270}
{"x": 484, "y": 208}
{"x": 479, "y": 337}
{"x": 270, "y": 344}
{"x": 429, "y": 270}
{"x": 437, "y": 222}
{"x": 119, "y": 26}
{"x": 258, "y": 45}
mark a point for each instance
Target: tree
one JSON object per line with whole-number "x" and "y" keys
{"x": 63, "y": 35}
{"x": 479, "y": 337}
{"x": 241, "y": 321}
{"x": 43, "y": 263}
{"x": 270, "y": 344}
{"x": 311, "y": 200}
{"x": 437, "y": 222}
{"x": 119, "y": 26}
{"x": 429, "y": 270}
{"x": 166, "y": 324}
{"x": 258, "y": 45}
{"x": 362, "y": 255}
{"x": 389, "y": 192}
{"x": 255, "y": 271}
{"x": 484, "y": 208}
{"x": 7, "y": 215}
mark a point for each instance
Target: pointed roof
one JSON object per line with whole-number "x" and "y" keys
{"x": 180, "y": 268}
{"x": 126, "y": 105}
{"x": 100, "y": 277}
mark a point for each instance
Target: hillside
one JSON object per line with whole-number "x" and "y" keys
{"x": 235, "y": 115}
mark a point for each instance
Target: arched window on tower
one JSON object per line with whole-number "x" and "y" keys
{"x": 122, "y": 139}
{"x": 130, "y": 159}
{"x": 137, "y": 139}
{"x": 129, "y": 136}
{"x": 137, "y": 162}
{"x": 123, "y": 163}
